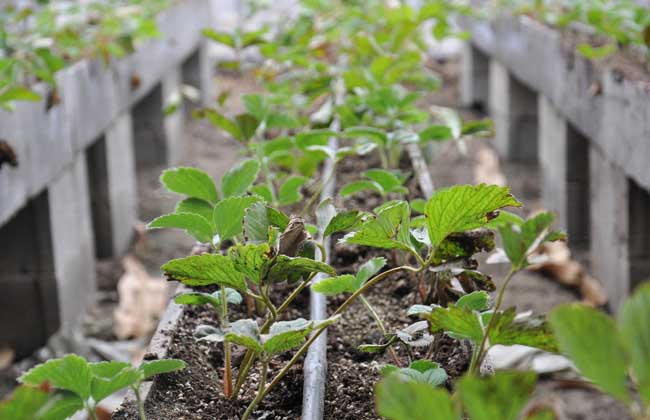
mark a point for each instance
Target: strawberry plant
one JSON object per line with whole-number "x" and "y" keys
{"x": 59, "y": 388}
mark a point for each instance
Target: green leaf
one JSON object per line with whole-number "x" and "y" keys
{"x": 220, "y": 121}
{"x": 344, "y": 221}
{"x": 346, "y": 283}
{"x": 464, "y": 207}
{"x": 239, "y": 178}
{"x": 520, "y": 241}
{"x": 228, "y": 217}
{"x": 634, "y": 323}
{"x": 256, "y": 105}
{"x": 195, "y": 225}
{"x": 374, "y": 134}
{"x": 532, "y": 332}
{"x": 195, "y": 206}
{"x": 475, "y": 301}
{"x": 191, "y": 182}
{"x": 389, "y": 229}
{"x": 370, "y": 268}
{"x": 325, "y": 212}
{"x": 306, "y": 139}
{"x": 263, "y": 191}
{"x": 220, "y": 37}
{"x": 461, "y": 322}
{"x": 247, "y": 126}
{"x": 19, "y": 93}
{"x": 595, "y": 53}
{"x": 157, "y": 367}
{"x": 356, "y": 186}
{"x": 214, "y": 299}
{"x": 296, "y": 266}
{"x": 60, "y": 407}
{"x": 71, "y": 373}
{"x": 251, "y": 260}
{"x": 289, "y": 192}
{"x": 110, "y": 377}
{"x": 478, "y": 128}
{"x": 201, "y": 270}
{"x": 259, "y": 218}
{"x": 502, "y": 396}
{"x": 435, "y": 133}
{"x": 25, "y": 403}
{"x": 591, "y": 340}
{"x": 286, "y": 335}
{"x": 398, "y": 400}
{"x": 388, "y": 181}
{"x": 245, "y": 332}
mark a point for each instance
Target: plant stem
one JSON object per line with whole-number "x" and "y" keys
{"x": 480, "y": 351}
{"x": 227, "y": 372}
{"x": 260, "y": 391}
{"x": 381, "y": 326}
{"x": 139, "y": 402}
{"x": 339, "y": 311}
{"x": 249, "y": 358}
{"x": 91, "y": 412}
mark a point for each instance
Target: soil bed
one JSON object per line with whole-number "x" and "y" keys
{"x": 195, "y": 392}
{"x": 352, "y": 374}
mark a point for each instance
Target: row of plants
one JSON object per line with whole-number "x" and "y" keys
{"x": 355, "y": 71}
{"x": 38, "y": 41}
{"x": 619, "y": 24}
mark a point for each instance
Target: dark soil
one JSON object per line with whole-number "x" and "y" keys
{"x": 195, "y": 392}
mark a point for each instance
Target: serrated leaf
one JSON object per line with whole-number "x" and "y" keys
{"x": 194, "y": 224}
{"x": 289, "y": 192}
{"x": 389, "y": 229}
{"x": 397, "y": 400}
{"x": 370, "y": 268}
{"x": 520, "y": 241}
{"x": 251, "y": 260}
{"x": 389, "y": 182}
{"x": 70, "y": 373}
{"x": 356, "y": 186}
{"x": 285, "y": 266}
{"x": 475, "y": 301}
{"x": 201, "y": 270}
{"x": 60, "y": 407}
{"x": 259, "y": 218}
{"x": 464, "y": 207}
{"x": 238, "y": 179}
{"x": 417, "y": 205}
{"x": 228, "y": 216}
{"x": 286, "y": 335}
{"x": 214, "y": 299}
{"x": 634, "y": 324}
{"x": 157, "y": 367}
{"x": 110, "y": 377}
{"x": 25, "y": 403}
{"x": 501, "y": 396}
{"x": 459, "y": 321}
{"x": 344, "y": 221}
{"x": 195, "y": 206}
{"x": 263, "y": 191}
{"x": 191, "y": 182}
{"x": 533, "y": 332}
{"x": 591, "y": 340}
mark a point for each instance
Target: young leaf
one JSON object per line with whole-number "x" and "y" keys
{"x": 238, "y": 179}
{"x": 590, "y": 338}
{"x": 460, "y": 322}
{"x": 388, "y": 229}
{"x": 19, "y": 93}
{"x": 288, "y": 267}
{"x": 195, "y": 206}
{"x": 520, "y": 241}
{"x": 245, "y": 332}
{"x": 289, "y": 192}
{"x": 201, "y": 270}
{"x": 464, "y": 207}
{"x": 475, "y": 301}
{"x": 263, "y": 191}
{"x": 389, "y": 182}
{"x": 259, "y": 218}
{"x": 370, "y": 268}
{"x": 356, "y": 186}
{"x": 195, "y": 225}
{"x": 346, "y": 283}
{"x": 247, "y": 126}
{"x": 25, "y": 403}
{"x": 419, "y": 371}
{"x": 60, "y": 407}
{"x": 191, "y": 182}
{"x": 220, "y": 37}
{"x": 398, "y": 400}
{"x": 435, "y": 133}
{"x": 110, "y": 377}
{"x": 228, "y": 217}
{"x": 634, "y": 323}
{"x": 527, "y": 332}
{"x": 214, "y": 299}
{"x": 325, "y": 212}
{"x": 71, "y": 373}
{"x": 251, "y": 260}
{"x": 501, "y": 396}
{"x": 286, "y": 335}
{"x": 222, "y": 122}
{"x": 344, "y": 221}
{"x": 157, "y": 367}
{"x": 374, "y": 134}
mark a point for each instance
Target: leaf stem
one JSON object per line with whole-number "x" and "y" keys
{"x": 227, "y": 373}
{"x": 138, "y": 399}
{"x": 260, "y": 391}
{"x": 480, "y": 351}
{"x": 381, "y": 326}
